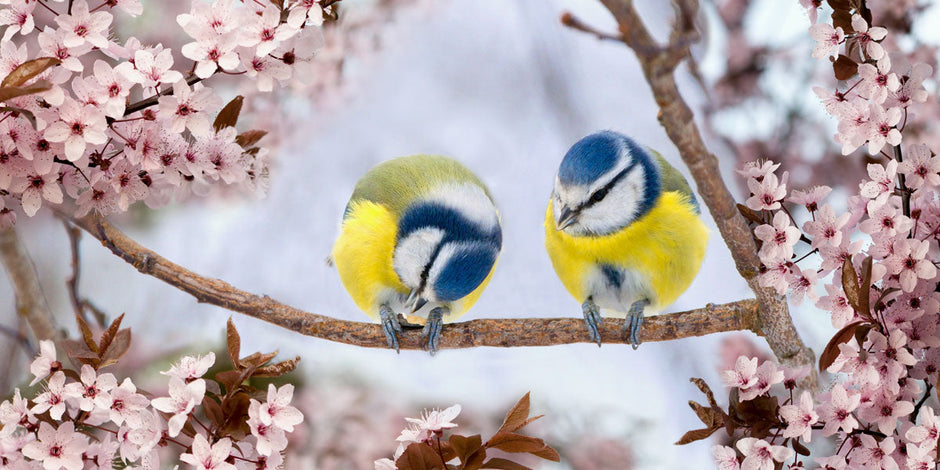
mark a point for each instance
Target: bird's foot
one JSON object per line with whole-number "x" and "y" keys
{"x": 635, "y": 321}
{"x": 433, "y": 327}
{"x": 592, "y": 317}
{"x": 390, "y": 325}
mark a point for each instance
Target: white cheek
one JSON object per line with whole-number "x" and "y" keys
{"x": 414, "y": 252}
{"x": 615, "y": 211}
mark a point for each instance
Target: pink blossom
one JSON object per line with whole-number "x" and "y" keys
{"x": 205, "y": 20}
{"x": 767, "y": 193}
{"x": 183, "y": 398}
{"x": 726, "y": 458}
{"x": 18, "y": 18}
{"x": 188, "y": 108}
{"x": 83, "y": 27}
{"x": 811, "y": 198}
{"x": 827, "y": 228}
{"x": 767, "y": 375}
{"x": 212, "y": 53}
{"x": 265, "y": 70}
{"x": 882, "y": 179}
{"x": 800, "y": 418}
{"x": 92, "y": 390}
{"x": 881, "y": 128}
{"x": 99, "y": 197}
{"x": 909, "y": 262}
{"x": 837, "y": 411}
{"x": 929, "y": 429}
{"x": 190, "y": 368}
{"x": 151, "y": 69}
{"x": 886, "y": 218}
{"x": 837, "y": 303}
{"x": 265, "y": 31}
{"x": 57, "y": 448}
{"x": 921, "y": 457}
{"x": 34, "y": 188}
{"x": 52, "y": 44}
{"x": 385, "y": 464}
{"x": 744, "y": 374}
{"x": 834, "y": 102}
{"x": 912, "y": 89}
{"x": 877, "y": 455}
{"x": 854, "y": 118}
{"x": 777, "y": 276}
{"x": 827, "y": 39}
{"x": 869, "y": 37}
{"x": 802, "y": 282}
{"x": 270, "y": 438}
{"x": 835, "y": 462}
{"x": 278, "y": 412}
{"x": 885, "y": 411}
{"x": 124, "y": 403}
{"x": 15, "y": 413}
{"x": 876, "y": 82}
{"x": 209, "y": 457}
{"x": 760, "y": 454}
{"x": 778, "y": 238}
{"x": 45, "y": 363}
{"x": 920, "y": 167}
{"x": 758, "y": 169}
{"x": 77, "y": 127}
{"x": 435, "y": 421}
{"x": 54, "y": 398}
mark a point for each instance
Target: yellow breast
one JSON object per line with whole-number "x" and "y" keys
{"x": 666, "y": 246}
{"x": 363, "y": 255}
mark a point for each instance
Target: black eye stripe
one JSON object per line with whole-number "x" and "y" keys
{"x": 607, "y": 187}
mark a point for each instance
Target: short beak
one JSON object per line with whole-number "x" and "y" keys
{"x": 566, "y": 218}
{"x": 415, "y": 301}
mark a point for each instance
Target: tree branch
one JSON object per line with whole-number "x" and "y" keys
{"x": 30, "y": 300}
{"x": 741, "y": 315}
{"x": 659, "y": 64}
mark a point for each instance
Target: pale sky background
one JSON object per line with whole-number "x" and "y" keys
{"x": 506, "y": 89}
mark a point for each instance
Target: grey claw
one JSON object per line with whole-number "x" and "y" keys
{"x": 635, "y": 321}
{"x": 592, "y": 318}
{"x": 390, "y": 326}
{"x": 433, "y": 327}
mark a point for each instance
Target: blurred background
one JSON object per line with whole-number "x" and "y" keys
{"x": 506, "y": 89}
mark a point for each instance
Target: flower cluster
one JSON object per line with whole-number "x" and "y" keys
{"x": 422, "y": 444}
{"x": 87, "y": 420}
{"x": 876, "y": 262}
{"x": 100, "y": 123}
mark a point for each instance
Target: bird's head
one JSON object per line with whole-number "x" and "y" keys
{"x": 447, "y": 244}
{"x": 604, "y": 183}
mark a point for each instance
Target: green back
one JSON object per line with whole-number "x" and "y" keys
{"x": 672, "y": 180}
{"x": 398, "y": 182}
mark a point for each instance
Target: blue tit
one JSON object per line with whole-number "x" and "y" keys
{"x": 420, "y": 236}
{"x": 622, "y": 230}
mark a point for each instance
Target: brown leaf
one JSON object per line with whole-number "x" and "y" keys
{"x": 10, "y": 92}
{"x": 464, "y": 447}
{"x": 703, "y": 386}
{"x": 831, "y": 352}
{"x": 248, "y": 138}
{"x": 517, "y": 416}
{"x": 695, "y": 435}
{"x": 799, "y": 448}
{"x": 278, "y": 369}
{"x": 844, "y": 67}
{"x": 87, "y": 336}
{"x": 861, "y": 333}
{"x": 548, "y": 453}
{"x": 213, "y": 411}
{"x": 230, "y": 379}
{"x": 235, "y": 410}
{"x": 842, "y": 18}
{"x": 257, "y": 359}
{"x": 851, "y": 287}
{"x": 518, "y": 443}
{"x": 79, "y": 353}
{"x": 504, "y": 464}
{"x": 706, "y": 415}
{"x": 118, "y": 347}
{"x": 27, "y": 70}
{"x": 864, "y": 295}
{"x": 228, "y": 116}
{"x": 419, "y": 456}
{"x": 234, "y": 343}
{"x": 108, "y": 335}
{"x": 20, "y": 112}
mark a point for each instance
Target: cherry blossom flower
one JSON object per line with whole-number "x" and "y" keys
{"x": 877, "y": 81}
{"x": 838, "y": 305}
{"x": 15, "y": 413}
{"x": 811, "y": 198}
{"x": 188, "y": 108}
{"x": 908, "y": 261}
{"x": 435, "y": 421}
{"x": 209, "y": 457}
{"x": 34, "y": 188}
{"x": 45, "y": 363}
{"x": 911, "y": 90}
{"x": 921, "y": 457}
{"x": 152, "y": 68}
{"x": 213, "y": 53}
{"x": 98, "y": 197}
{"x": 777, "y": 276}
{"x": 78, "y": 126}
{"x": 205, "y": 20}
{"x": 837, "y": 411}
{"x": 877, "y": 455}
{"x": 125, "y": 403}
{"x": 827, "y": 39}
{"x": 183, "y": 398}
{"x": 744, "y": 374}
{"x": 800, "y": 418}
{"x": 265, "y": 31}
{"x": 265, "y": 70}
{"x": 190, "y": 368}
{"x": 18, "y": 18}
{"x": 92, "y": 390}
{"x": 52, "y": 44}
{"x": 767, "y": 375}
{"x": 827, "y": 228}
{"x": 57, "y": 448}
{"x": 83, "y": 27}
{"x": 270, "y": 439}
{"x": 767, "y": 193}
{"x": 778, "y": 238}
{"x": 868, "y": 37}
{"x": 760, "y": 454}
{"x": 725, "y": 457}
{"x": 385, "y": 464}
{"x": 882, "y": 179}
{"x": 920, "y": 167}
{"x": 277, "y": 410}
{"x": 758, "y": 169}
{"x": 835, "y": 462}
{"x": 803, "y": 283}
{"x": 881, "y": 128}
{"x": 928, "y": 431}
{"x": 54, "y": 398}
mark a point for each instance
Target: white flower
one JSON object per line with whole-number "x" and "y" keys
{"x": 54, "y": 398}
{"x": 58, "y": 448}
{"x": 277, "y": 410}
{"x": 436, "y": 420}
{"x": 183, "y": 398}
{"x": 125, "y": 403}
{"x": 188, "y": 108}
{"x": 15, "y": 413}
{"x": 92, "y": 390}
{"x": 760, "y": 454}
{"x": 82, "y": 26}
{"x": 270, "y": 439}
{"x": 206, "y": 457}
{"x": 45, "y": 363}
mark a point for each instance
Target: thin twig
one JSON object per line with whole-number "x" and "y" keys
{"x": 659, "y": 64}
{"x": 573, "y": 22}
{"x": 30, "y": 300}
{"x": 81, "y": 306}
{"x": 740, "y": 315}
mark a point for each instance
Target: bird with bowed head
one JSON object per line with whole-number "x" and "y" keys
{"x": 622, "y": 230}
{"x": 420, "y": 236}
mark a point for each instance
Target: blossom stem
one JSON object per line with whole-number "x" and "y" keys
{"x": 923, "y": 399}
{"x": 41, "y": 2}
{"x": 905, "y": 192}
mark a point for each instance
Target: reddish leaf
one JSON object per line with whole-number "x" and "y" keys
{"x": 864, "y": 295}
{"x": 228, "y": 116}
{"x": 108, "y": 335}
{"x": 703, "y": 386}
{"x": 842, "y": 18}
{"x": 10, "y": 92}
{"x": 548, "y": 453}
{"x": 517, "y": 416}
{"x": 213, "y": 411}
{"x": 234, "y": 343}
{"x": 706, "y": 415}
{"x": 257, "y": 359}
{"x": 465, "y": 446}
{"x": 248, "y": 138}
{"x": 118, "y": 347}
{"x": 419, "y": 456}
{"x": 516, "y": 443}
{"x": 278, "y": 369}
{"x": 235, "y": 410}
{"x": 504, "y": 464}
{"x": 851, "y": 287}
{"x": 844, "y": 67}
{"x": 695, "y": 435}
{"x": 831, "y": 352}
{"x": 27, "y": 70}
{"x": 799, "y": 448}
{"x": 87, "y": 336}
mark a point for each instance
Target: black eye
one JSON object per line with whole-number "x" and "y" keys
{"x": 599, "y": 195}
